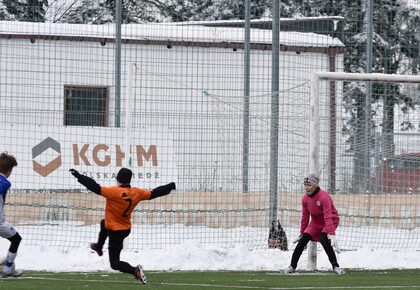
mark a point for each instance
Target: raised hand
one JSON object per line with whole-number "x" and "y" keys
{"x": 74, "y": 172}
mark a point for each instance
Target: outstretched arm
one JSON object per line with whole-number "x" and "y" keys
{"x": 163, "y": 190}
{"x": 88, "y": 182}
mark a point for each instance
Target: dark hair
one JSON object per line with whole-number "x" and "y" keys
{"x": 7, "y": 162}
{"x": 124, "y": 176}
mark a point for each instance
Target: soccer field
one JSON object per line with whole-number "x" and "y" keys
{"x": 385, "y": 279}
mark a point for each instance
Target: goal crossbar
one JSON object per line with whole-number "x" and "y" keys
{"x": 390, "y": 78}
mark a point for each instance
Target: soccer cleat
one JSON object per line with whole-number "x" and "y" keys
{"x": 339, "y": 271}
{"x": 289, "y": 270}
{"x": 97, "y": 249}
{"x": 139, "y": 274}
{"x": 11, "y": 272}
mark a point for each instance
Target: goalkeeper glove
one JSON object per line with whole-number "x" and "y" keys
{"x": 75, "y": 173}
{"x": 333, "y": 242}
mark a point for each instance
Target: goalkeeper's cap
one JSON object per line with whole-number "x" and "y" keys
{"x": 124, "y": 175}
{"x": 311, "y": 179}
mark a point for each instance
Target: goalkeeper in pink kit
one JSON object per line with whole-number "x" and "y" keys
{"x": 319, "y": 221}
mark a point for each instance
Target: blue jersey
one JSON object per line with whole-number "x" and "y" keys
{"x": 4, "y": 187}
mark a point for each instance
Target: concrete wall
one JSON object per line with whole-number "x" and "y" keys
{"x": 219, "y": 210}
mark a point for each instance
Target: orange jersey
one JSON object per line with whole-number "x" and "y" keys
{"x": 120, "y": 203}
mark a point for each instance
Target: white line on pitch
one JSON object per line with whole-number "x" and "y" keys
{"x": 212, "y": 285}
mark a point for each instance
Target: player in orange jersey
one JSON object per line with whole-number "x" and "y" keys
{"x": 120, "y": 203}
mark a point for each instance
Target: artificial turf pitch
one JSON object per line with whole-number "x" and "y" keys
{"x": 218, "y": 280}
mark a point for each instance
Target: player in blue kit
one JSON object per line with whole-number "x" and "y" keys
{"x": 7, "y": 163}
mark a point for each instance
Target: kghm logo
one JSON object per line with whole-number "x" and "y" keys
{"x": 47, "y": 156}
{"x": 52, "y": 165}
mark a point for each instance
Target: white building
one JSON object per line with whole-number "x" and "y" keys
{"x": 187, "y": 97}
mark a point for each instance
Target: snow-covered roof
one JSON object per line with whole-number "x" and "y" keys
{"x": 263, "y": 21}
{"x": 167, "y": 31}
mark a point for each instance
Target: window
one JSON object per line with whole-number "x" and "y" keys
{"x": 85, "y": 106}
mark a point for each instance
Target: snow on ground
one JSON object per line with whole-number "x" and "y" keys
{"x": 42, "y": 255}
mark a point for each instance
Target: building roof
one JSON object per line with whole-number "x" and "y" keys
{"x": 187, "y": 33}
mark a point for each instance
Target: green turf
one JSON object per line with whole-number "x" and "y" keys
{"x": 385, "y": 279}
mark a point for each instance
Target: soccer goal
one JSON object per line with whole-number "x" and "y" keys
{"x": 365, "y": 144}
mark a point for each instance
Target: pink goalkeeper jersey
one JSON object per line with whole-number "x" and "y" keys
{"x": 318, "y": 215}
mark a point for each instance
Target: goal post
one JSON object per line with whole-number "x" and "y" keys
{"x": 315, "y": 125}
{"x": 131, "y": 70}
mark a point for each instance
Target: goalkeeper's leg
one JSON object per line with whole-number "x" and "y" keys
{"x": 303, "y": 241}
{"x": 325, "y": 242}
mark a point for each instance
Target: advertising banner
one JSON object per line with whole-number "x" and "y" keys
{"x": 46, "y": 153}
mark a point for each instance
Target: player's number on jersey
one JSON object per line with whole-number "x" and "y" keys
{"x": 128, "y": 207}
